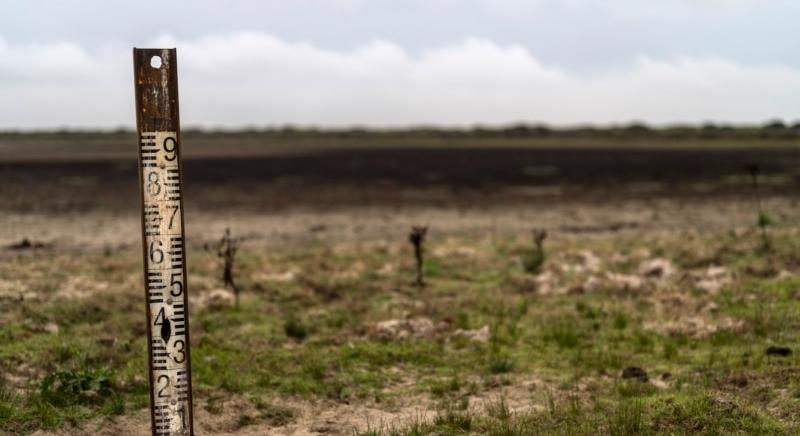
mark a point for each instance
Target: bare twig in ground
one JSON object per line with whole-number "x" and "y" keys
{"x": 533, "y": 262}
{"x": 417, "y": 239}
{"x": 539, "y": 235}
{"x": 226, "y": 250}
{"x": 763, "y": 219}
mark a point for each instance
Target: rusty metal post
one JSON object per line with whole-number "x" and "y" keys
{"x": 163, "y": 247}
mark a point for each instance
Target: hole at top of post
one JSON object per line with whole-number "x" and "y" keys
{"x": 155, "y": 62}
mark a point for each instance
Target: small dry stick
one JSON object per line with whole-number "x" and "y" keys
{"x": 417, "y": 238}
{"x": 227, "y": 252}
{"x": 762, "y": 218}
{"x": 539, "y": 235}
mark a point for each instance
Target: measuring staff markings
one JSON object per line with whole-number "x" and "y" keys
{"x": 165, "y": 281}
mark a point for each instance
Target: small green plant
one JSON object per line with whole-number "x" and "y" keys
{"x": 587, "y": 311}
{"x": 454, "y": 421}
{"x": 440, "y": 388}
{"x": 620, "y": 321}
{"x": 499, "y": 410}
{"x": 563, "y": 333}
{"x": 533, "y": 260}
{"x": 627, "y": 419}
{"x": 500, "y": 363}
{"x": 65, "y": 387}
{"x": 670, "y": 350}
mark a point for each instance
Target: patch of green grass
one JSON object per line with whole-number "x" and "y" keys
{"x": 708, "y": 415}
{"x": 500, "y": 363}
{"x": 695, "y": 413}
{"x": 627, "y": 419}
{"x": 562, "y": 332}
{"x": 446, "y": 386}
{"x": 313, "y": 338}
{"x": 433, "y": 267}
{"x": 588, "y": 311}
{"x": 620, "y": 321}
{"x": 63, "y": 396}
{"x": 669, "y": 350}
{"x": 67, "y": 387}
{"x": 634, "y": 389}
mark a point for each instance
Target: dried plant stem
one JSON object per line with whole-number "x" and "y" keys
{"x": 417, "y": 239}
{"x": 227, "y": 252}
{"x": 762, "y": 217}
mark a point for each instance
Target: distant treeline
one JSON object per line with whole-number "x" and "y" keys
{"x": 770, "y": 130}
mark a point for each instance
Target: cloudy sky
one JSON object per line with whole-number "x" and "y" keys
{"x": 406, "y": 62}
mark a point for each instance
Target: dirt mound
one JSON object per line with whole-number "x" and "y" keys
{"x": 401, "y": 329}
{"x": 213, "y": 299}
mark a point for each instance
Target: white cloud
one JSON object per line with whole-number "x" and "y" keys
{"x": 258, "y": 79}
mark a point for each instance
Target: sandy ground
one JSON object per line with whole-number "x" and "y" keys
{"x": 317, "y": 417}
{"x": 98, "y": 229}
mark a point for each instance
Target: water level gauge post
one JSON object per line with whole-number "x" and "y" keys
{"x": 163, "y": 241}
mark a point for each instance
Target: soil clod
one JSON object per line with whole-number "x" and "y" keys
{"x": 26, "y": 244}
{"x": 779, "y": 351}
{"x": 635, "y": 372}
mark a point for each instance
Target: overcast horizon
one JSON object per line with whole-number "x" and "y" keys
{"x": 385, "y": 63}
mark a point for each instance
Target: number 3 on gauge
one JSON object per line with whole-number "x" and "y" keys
{"x": 180, "y": 350}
